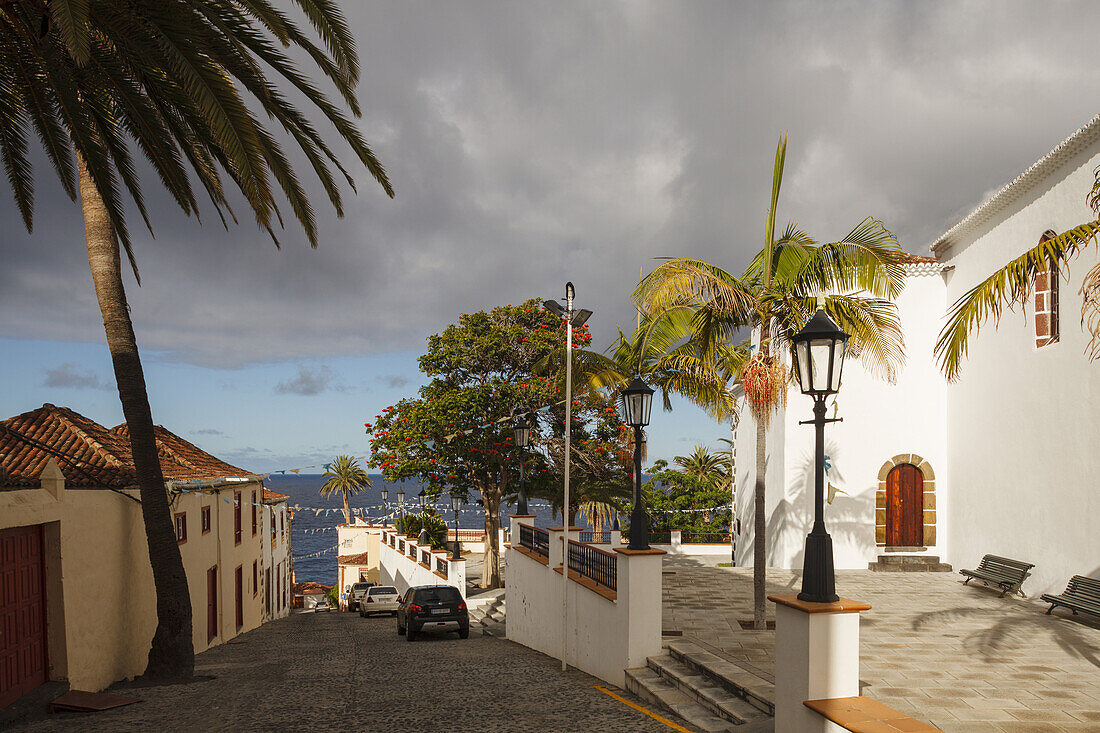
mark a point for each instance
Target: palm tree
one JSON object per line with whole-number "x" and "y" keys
{"x": 346, "y": 476}
{"x": 174, "y": 77}
{"x": 702, "y": 463}
{"x": 774, "y": 296}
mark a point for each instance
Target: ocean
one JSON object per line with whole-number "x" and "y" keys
{"x": 313, "y": 538}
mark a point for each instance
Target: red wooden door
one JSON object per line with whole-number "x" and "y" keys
{"x": 211, "y": 603}
{"x": 905, "y": 507}
{"x": 238, "y": 596}
{"x": 22, "y": 613}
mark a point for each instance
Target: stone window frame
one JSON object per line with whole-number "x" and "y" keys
{"x": 1046, "y": 301}
{"x": 180, "y": 522}
{"x": 929, "y": 476}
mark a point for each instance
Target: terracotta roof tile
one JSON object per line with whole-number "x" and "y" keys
{"x": 90, "y": 455}
{"x": 310, "y": 588}
{"x": 912, "y": 259}
{"x": 360, "y": 559}
{"x": 270, "y": 495}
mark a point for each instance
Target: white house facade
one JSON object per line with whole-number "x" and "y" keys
{"x": 1001, "y": 461}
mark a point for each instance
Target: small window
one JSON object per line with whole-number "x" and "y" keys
{"x": 254, "y": 516}
{"x": 205, "y": 516}
{"x": 181, "y": 528}
{"x": 1046, "y": 301}
{"x": 255, "y": 579}
{"x": 282, "y": 527}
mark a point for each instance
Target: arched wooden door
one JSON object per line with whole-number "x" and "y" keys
{"x": 905, "y": 507}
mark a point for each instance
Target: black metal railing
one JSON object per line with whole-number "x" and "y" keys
{"x": 393, "y": 540}
{"x": 600, "y": 538}
{"x": 412, "y": 551}
{"x": 401, "y": 546}
{"x": 441, "y": 566}
{"x": 596, "y": 565}
{"x": 426, "y": 558}
{"x": 534, "y": 539}
{"x": 660, "y": 538}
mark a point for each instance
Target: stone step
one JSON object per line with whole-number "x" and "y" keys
{"x": 647, "y": 685}
{"x": 754, "y": 690}
{"x": 718, "y": 700}
{"x": 908, "y": 564}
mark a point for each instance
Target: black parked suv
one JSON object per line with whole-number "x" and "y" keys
{"x": 432, "y": 608}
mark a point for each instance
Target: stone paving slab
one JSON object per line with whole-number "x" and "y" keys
{"x": 337, "y": 671}
{"x": 955, "y": 656}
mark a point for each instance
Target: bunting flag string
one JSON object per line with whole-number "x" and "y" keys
{"x": 316, "y": 554}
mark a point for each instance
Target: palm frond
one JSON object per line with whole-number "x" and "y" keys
{"x": 1007, "y": 287}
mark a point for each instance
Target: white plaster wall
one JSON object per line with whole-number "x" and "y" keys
{"x": 605, "y": 637}
{"x": 403, "y": 572}
{"x": 1023, "y": 421}
{"x": 745, "y": 478}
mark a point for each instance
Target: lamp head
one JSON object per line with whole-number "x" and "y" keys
{"x": 385, "y": 494}
{"x": 401, "y": 496}
{"x": 456, "y": 502}
{"x": 637, "y": 402}
{"x": 819, "y": 350}
{"x": 521, "y": 427}
{"x": 570, "y": 293}
{"x": 554, "y": 307}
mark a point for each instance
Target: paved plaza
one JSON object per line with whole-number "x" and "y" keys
{"x": 955, "y": 656}
{"x": 340, "y": 672}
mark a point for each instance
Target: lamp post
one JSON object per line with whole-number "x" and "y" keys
{"x": 521, "y": 436}
{"x": 572, "y": 318}
{"x": 818, "y": 361}
{"x": 385, "y": 495}
{"x": 456, "y": 504}
{"x": 422, "y": 538}
{"x": 401, "y": 504}
{"x": 637, "y": 402}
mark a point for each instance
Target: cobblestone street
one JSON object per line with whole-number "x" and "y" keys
{"x": 337, "y": 671}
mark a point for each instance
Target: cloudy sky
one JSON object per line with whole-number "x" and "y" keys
{"x": 531, "y": 144}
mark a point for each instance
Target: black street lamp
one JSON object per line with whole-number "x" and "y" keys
{"x": 385, "y": 496}
{"x": 422, "y": 538}
{"x": 401, "y": 503}
{"x": 521, "y": 436}
{"x": 818, "y": 361}
{"x": 637, "y": 401}
{"x": 456, "y": 504}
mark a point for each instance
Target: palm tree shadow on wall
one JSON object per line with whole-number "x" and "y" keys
{"x": 1011, "y": 630}
{"x": 850, "y": 519}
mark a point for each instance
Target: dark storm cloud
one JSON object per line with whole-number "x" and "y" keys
{"x": 71, "y": 376}
{"x": 532, "y": 144}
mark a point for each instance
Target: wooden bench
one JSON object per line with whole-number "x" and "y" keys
{"x": 864, "y": 715}
{"x": 1082, "y": 594}
{"x": 1004, "y": 572}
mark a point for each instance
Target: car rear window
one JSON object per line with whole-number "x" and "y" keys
{"x": 383, "y": 590}
{"x": 359, "y": 586}
{"x": 445, "y": 594}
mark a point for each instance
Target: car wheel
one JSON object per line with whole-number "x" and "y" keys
{"x": 410, "y": 634}
{"x": 464, "y": 633}
{"x": 400, "y": 629}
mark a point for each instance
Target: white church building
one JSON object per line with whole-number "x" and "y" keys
{"x": 1004, "y": 461}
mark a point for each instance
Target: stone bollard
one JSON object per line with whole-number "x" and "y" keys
{"x": 816, "y": 657}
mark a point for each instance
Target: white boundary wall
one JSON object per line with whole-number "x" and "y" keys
{"x": 403, "y": 572}
{"x": 605, "y": 637}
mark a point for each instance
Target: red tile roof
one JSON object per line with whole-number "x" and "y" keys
{"x": 912, "y": 259}
{"x": 360, "y": 559}
{"x": 310, "y": 588}
{"x": 270, "y": 495}
{"x": 90, "y": 455}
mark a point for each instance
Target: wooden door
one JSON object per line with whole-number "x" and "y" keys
{"x": 211, "y": 603}
{"x": 238, "y": 596}
{"x": 905, "y": 507}
{"x": 23, "y": 663}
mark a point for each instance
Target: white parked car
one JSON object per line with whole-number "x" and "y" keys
{"x": 379, "y": 599}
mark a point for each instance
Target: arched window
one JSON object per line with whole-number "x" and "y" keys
{"x": 1046, "y": 301}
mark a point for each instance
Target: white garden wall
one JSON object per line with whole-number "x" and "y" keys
{"x": 404, "y": 570}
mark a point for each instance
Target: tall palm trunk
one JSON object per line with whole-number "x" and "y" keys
{"x": 759, "y": 544}
{"x": 172, "y": 654}
{"x": 491, "y": 569}
{"x": 347, "y": 507}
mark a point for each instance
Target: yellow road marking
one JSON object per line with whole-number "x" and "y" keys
{"x": 653, "y": 715}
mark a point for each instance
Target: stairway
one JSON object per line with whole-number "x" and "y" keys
{"x": 487, "y": 612}
{"x": 710, "y": 693}
{"x": 908, "y": 564}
